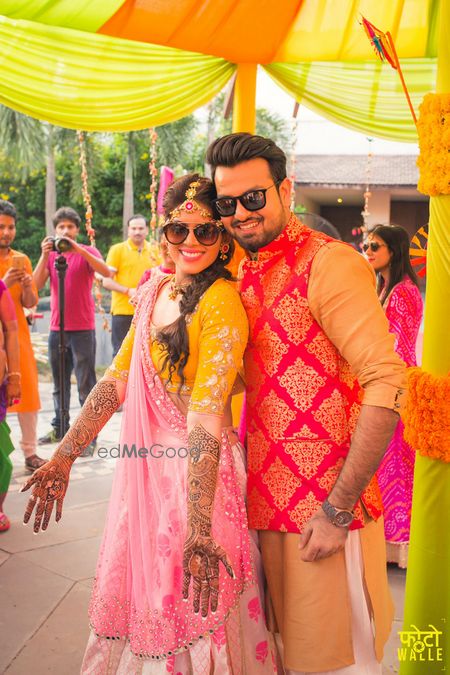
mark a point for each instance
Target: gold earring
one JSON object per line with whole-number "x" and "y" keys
{"x": 223, "y": 251}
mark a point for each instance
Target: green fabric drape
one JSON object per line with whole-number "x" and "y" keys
{"x": 93, "y": 82}
{"x": 86, "y": 15}
{"x": 88, "y": 81}
{"x": 365, "y": 96}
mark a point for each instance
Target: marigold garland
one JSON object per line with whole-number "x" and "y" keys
{"x": 153, "y": 170}
{"x": 427, "y": 414}
{"x": 433, "y": 127}
{"x": 89, "y": 229}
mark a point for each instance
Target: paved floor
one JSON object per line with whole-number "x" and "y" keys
{"x": 45, "y": 579}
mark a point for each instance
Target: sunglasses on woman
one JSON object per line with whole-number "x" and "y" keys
{"x": 252, "y": 200}
{"x": 373, "y": 245}
{"x": 206, "y": 233}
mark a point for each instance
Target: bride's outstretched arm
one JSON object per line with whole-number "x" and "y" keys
{"x": 50, "y": 482}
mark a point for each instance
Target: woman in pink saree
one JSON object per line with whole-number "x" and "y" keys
{"x": 387, "y": 249}
{"x": 176, "y": 588}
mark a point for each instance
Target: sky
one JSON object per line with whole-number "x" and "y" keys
{"x": 317, "y": 135}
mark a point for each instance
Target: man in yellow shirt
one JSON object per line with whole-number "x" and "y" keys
{"x": 128, "y": 260}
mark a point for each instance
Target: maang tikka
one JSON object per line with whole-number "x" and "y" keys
{"x": 190, "y": 205}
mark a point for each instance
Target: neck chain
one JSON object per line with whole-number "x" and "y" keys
{"x": 176, "y": 289}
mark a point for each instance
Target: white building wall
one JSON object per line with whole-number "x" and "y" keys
{"x": 379, "y": 207}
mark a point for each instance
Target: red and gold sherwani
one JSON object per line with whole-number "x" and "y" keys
{"x": 303, "y": 400}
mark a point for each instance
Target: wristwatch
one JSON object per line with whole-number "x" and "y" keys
{"x": 339, "y": 517}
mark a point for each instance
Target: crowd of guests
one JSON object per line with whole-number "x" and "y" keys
{"x": 308, "y": 338}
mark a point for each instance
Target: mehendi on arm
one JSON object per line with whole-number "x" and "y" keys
{"x": 222, "y": 340}
{"x": 202, "y": 554}
{"x": 51, "y": 481}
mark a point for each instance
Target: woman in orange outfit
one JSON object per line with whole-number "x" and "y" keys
{"x": 15, "y": 270}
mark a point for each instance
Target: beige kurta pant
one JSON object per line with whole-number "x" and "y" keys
{"x": 310, "y": 604}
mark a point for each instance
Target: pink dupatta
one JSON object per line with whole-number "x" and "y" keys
{"x": 137, "y": 590}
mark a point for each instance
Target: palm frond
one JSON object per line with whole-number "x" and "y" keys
{"x": 22, "y": 140}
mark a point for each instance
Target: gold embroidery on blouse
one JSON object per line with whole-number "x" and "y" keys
{"x": 116, "y": 373}
{"x": 222, "y": 362}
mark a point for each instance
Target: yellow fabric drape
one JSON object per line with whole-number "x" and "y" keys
{"x": 365, "y": 96}
{"x": 88, "y": 81}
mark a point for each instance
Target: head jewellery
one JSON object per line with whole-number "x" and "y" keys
{"x": 190, "y": 205}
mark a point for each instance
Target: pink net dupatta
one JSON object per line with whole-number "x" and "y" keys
{"x": 137, "y": 590}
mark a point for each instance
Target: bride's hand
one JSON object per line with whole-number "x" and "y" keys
{"x": 201, "y": 558}
{"x": 49, "y": 486}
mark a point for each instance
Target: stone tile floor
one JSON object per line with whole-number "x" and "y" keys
{"x": 45, "y": 580}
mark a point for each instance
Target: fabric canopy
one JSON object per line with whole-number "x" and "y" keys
{"x": 248, "y": 31}
{"x": 92, "y": 82}
{"x": 366, "y": 97}
{"x": 120, "y": 65}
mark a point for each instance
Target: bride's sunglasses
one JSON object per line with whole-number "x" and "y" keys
{"x": 206, "y": 233}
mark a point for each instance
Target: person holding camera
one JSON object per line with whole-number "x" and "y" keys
{"x": 83, "y": 262}
{"x": 16, "y": 273}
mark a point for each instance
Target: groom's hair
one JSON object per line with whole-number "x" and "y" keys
{"x": 236, "y": 148}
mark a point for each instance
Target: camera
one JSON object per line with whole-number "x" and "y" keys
{"x": 60, "y": 244}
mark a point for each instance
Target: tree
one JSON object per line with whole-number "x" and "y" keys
{"x": 128, "y": 188}
{"x": 40, "y": 169}
{"x": 273, "y": 126}
{"x": 57, "y": 140}
{"x": 22, "y": 140}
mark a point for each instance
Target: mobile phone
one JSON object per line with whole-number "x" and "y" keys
{"x": 18, "y": 262}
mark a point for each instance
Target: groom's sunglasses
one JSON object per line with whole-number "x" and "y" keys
{"x": 253, "y": 200}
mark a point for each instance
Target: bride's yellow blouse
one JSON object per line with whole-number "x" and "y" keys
{"x": 218, "y": 334}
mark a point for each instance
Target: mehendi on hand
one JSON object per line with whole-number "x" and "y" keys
{"x": 51, "y": 480}
{"x": 202, "y": 554}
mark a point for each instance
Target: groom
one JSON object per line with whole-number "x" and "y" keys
{"x": 324, "y": 392}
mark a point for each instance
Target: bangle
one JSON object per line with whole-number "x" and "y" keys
{"x": 14, "y": 374}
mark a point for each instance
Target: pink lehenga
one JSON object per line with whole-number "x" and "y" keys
{"x": 139, "y": 621}
{"x": 404, "y": 308}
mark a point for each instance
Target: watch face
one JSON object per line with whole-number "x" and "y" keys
{"x": 343, "y": 518}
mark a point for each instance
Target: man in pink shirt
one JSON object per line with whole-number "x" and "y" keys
{"x": 79, "y": 320}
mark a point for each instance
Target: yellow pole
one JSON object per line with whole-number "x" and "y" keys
{"x": 244, "y": 119}
{"x": 427, "y": 600}
{"x": 244, "y": 105}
